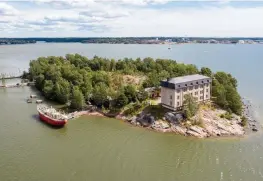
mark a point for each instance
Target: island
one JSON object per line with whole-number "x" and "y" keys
{"x": 159, "y": 94}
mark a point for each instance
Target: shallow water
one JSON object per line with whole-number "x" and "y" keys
{"x": 92, "y": 148}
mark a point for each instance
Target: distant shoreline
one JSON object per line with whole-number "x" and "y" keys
{"x": 135, "y": 40}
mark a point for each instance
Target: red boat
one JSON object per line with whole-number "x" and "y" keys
{"x": 50, "y": 116}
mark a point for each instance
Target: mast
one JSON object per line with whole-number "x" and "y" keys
{"x": 3, "y": 79}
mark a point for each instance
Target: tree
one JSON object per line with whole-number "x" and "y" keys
{"x": 234, "y": 100}
{"x": 206, "y": 71}
{"x": 87, "y": 89}
{"x": 48, "y": 89}
{"x": 62, "y": 91}
{"x": 219, "y": 92}
{"x": 121, "y": 101}
{"x": 190, "y": 106}
{"x": 130, "y": 93}
{"x": 142, "y": 95}
{"x": 100, "y": 93}
{"x": 77, "y": 99}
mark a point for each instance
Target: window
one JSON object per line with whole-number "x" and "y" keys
{"x": 206, "y": 90}
{"x": 196, "y": 93}
{"x": 178, "y": 103}
{"x": 190, "y": 88}
{"x": 191, "y": 83}
{"x": 179, "y": 86}
{"x": 191, "y": 93}
{"x": 207, "y": 80}
{"x": 178, "y": 91}
{"x": 201, "y": 97}
{"x": 171, "y": 97}
{"x": 185, "y": 89}
{"x": 196, "y": 82}
{"x": 202, "y": 81}
{"x": 201, "y": 86}
{"x": 207, "y": 85}
{"x": 196, "y": 87}
{"x": 171, "y": 103}
{"x": 201, "y": 92}
{"x": 186, "y": 85}
{"x": 206, "y": 96}
{"x": 178, "y": 97}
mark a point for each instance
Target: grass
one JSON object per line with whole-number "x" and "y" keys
{"x": 243, "y": 121}
{"x": 227, "y": 115}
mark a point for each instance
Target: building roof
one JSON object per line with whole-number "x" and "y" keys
{"x": 185, "y": 81}
{"x": 188, "y": 78}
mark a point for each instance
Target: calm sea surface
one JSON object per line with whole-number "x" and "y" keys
{"x": 92, "y": 148}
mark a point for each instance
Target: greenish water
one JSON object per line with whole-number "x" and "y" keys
{"x": 92, "y": 148}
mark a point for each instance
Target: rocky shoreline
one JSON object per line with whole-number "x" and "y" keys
{"x": 212, "y": 124}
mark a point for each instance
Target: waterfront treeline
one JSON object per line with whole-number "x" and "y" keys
{"x": 76, "y": 80}
{"x": 132, "y": 40}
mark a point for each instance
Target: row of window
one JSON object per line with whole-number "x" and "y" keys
{"x": 191, "y": 88}
{"x": 196, "y": 93}
{"x": 178, "y": 103}
{"x": 193, "y": 83}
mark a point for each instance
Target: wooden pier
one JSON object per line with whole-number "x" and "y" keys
{"x": 10, "y": 76}
{"x": 6, "y": 76}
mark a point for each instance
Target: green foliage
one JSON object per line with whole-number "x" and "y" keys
{"x": 227, "y": 115}
{"x": 142, "y": 95}
{"x": 243, "y": 121}
{"x": 77, "y": 99}
{"x": 130, "y": 93}
{"x": 225, "y": 92}
{"x": 48, "y": 89}
{"x": 190, "y": 107}
{"x": 101, "y": 80}
{"x": 121, "y": 101}
{"x": 206, "y": 71}
{"x": 62, "y": 91}
{"x": 99, "y": 94}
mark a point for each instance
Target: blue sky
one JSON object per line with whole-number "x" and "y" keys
{"x": 91, "y": 18}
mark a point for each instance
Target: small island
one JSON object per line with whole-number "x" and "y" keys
{"x": 160, "y": 94}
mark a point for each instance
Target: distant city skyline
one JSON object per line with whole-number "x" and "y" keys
{"x": 131, "y": 18}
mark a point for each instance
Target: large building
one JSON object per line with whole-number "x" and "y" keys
{"x": 174, "y": 89}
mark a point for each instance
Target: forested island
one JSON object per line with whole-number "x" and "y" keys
{"x": 12, "y": 41}
{"x": 120, "y": 88}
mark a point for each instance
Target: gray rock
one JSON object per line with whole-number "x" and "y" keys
{"x": 173, "y": 117}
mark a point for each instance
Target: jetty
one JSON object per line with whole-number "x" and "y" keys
{"x": 8, "y": 76}
{"x": 11, "y": 75}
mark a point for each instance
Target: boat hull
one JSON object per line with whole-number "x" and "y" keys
{"x": 50, "y": 121}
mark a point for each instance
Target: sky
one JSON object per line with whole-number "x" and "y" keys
{"x": 131, "y": 18}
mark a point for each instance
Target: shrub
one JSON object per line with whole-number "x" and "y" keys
{"x": 227, "y": 115}
{"x": 243, "y": 121}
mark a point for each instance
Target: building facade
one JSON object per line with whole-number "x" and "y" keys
{"x": 173, "y": 90}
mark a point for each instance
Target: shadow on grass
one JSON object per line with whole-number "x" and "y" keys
{"x": 156, "y": 110}
{"x": 36, "y": 118}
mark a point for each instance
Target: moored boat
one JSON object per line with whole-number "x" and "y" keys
{"x": 39, "y": 101}
{"x": 50, "y": 116}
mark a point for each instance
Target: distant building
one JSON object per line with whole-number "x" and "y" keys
{"x": 241, "y": 41}
{"x": 173, "y": 90}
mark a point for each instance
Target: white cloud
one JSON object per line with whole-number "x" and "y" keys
{"x": 7, "y": 10}
{"x": 128, "y": 18}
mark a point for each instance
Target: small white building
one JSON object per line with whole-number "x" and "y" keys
{"x": 173, "y": 90}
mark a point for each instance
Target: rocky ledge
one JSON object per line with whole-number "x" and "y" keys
{"x": 212, "y": 125}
